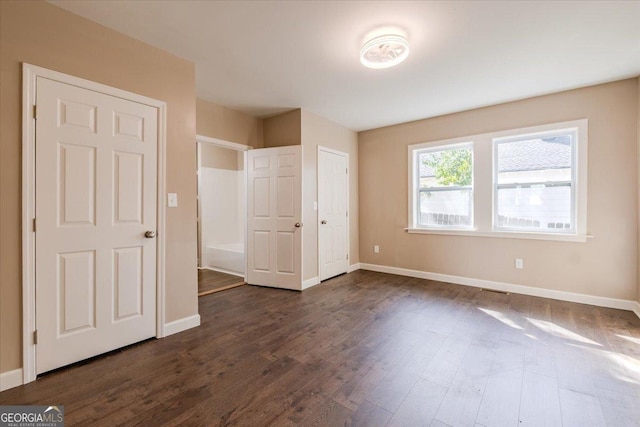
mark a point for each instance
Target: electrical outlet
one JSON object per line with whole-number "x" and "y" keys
{"x": 376, "y": 249}
{"x": 519, "y": 263}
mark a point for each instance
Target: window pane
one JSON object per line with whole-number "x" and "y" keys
{"x": 538, "y": 208}
{"x": 539, "y": 159}
{"x": 451, "y": 167}
{"x": 534, "y": 183}
{"x": 445, "y": 208}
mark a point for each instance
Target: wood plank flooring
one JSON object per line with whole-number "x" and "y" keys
{"x": 366, "y": 349}
{"x": 210, "y": 281}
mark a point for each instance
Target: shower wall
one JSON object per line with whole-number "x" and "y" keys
{"x": 222, "y": 207}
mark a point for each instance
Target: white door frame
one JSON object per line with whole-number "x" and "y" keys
{"x": 232, "y": 146}
{"x": 29, "y": 75}
{"x": 347, "y": 228}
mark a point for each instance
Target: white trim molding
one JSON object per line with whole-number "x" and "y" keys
{"x": 222, "y": 270}
{"x": 181, "y": 325}
{"x": 306, "y": 284}
{"x": 353, "y": 267}
{"x": 509, "y": 287}
{"x": 223, "y": 143}
{"x": 636, "y": 309}
{"x": 30, "y": 73}
{"x": 11, "y": 379}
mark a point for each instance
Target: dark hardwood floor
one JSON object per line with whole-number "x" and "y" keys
{"x": 210, "y": 281}
{"x": 366, "y": 349}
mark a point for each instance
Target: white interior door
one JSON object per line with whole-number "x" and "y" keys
{"x": 95, "y": 199}
{"x": 333, "y": 230}
{"x": 274, "y": 217}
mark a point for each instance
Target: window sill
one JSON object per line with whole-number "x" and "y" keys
{"x": 581, "y": 238}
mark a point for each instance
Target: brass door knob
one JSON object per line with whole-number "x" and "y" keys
{"x": 150, "y": 234}
{"x": 323, "y": 222}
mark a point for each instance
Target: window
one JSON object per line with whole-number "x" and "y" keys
{"x": 534, "y": 183}
{"x": 445, "y": 186}
{"x": 521, "y": 183}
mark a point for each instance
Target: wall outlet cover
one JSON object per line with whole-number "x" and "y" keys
{"x": 172, "y": 200}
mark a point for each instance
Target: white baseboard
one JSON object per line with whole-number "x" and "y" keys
{"x": 222, "y": 270}
{"x": 10, "y": 379}
{"x": 636, "y": 309}
{"x": 181, "y": 325}
{"x": 509, "y": 287}
{"x": 316, "y": 280}
{"x": 310, "y": 282}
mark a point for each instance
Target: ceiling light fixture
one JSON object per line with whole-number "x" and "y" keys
{"x": 384, "y": 51}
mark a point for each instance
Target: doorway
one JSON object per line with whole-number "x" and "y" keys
{"x": 221, "y": 215}
{"x": 93, "y": 181}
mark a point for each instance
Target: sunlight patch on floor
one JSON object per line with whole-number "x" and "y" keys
{"x": 560, "y": 332}
{"x": 501, "y": 317}
{"x": 621, "y": 366}
{"x": 630, "y": 339}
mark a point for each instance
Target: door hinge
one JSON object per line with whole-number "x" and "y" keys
{"x": 35, "y": 336}
{"x": 34, "y": 225}
{"x": 35, "y": 112}
{"x": 346, "y": 171}
{"x": 347, "y": 256}
{"x": 347, "y": 213}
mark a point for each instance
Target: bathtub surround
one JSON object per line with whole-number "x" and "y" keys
{"x": 222, "y": 209}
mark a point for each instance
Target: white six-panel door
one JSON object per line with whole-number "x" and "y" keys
{"x": 95, "y": 199}
{"x": 274, "y": 217}
{"x": 332, "y": 213}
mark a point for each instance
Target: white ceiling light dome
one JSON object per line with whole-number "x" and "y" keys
{"x": 384, "y": 51}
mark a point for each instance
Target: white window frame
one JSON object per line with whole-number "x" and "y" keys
{"x": 484, "y": 184}
{"x": 414, "y": 181}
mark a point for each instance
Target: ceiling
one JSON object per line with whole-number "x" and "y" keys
{"x": 266, "y": 57}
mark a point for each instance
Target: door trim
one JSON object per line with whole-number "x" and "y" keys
{"x": 223, "y": 143}
{"x": 348, "y": 227}
{"x": 29, "y": 75}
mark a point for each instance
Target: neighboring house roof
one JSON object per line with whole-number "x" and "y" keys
{"x": 529, "y": 155}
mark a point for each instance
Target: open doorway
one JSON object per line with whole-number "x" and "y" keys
{"x": 221, "y": 215}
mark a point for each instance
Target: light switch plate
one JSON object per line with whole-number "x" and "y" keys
{"x": 172, "y": 200}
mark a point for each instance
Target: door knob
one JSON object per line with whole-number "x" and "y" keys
{"x": 297, "y": 225}
{"x": 150, "y": 234}
{"x": 324, "y": 221}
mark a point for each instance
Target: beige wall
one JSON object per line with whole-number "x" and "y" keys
{"x": 212, "y": 156}
{"x": 216, "y": 121}
{"x": 638, "y": 130}
{"x": 47, "y": 36}
{"x": 283, "y": 129}
{"x": 317, "y": 131}
{"x": 603, "y": 266}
